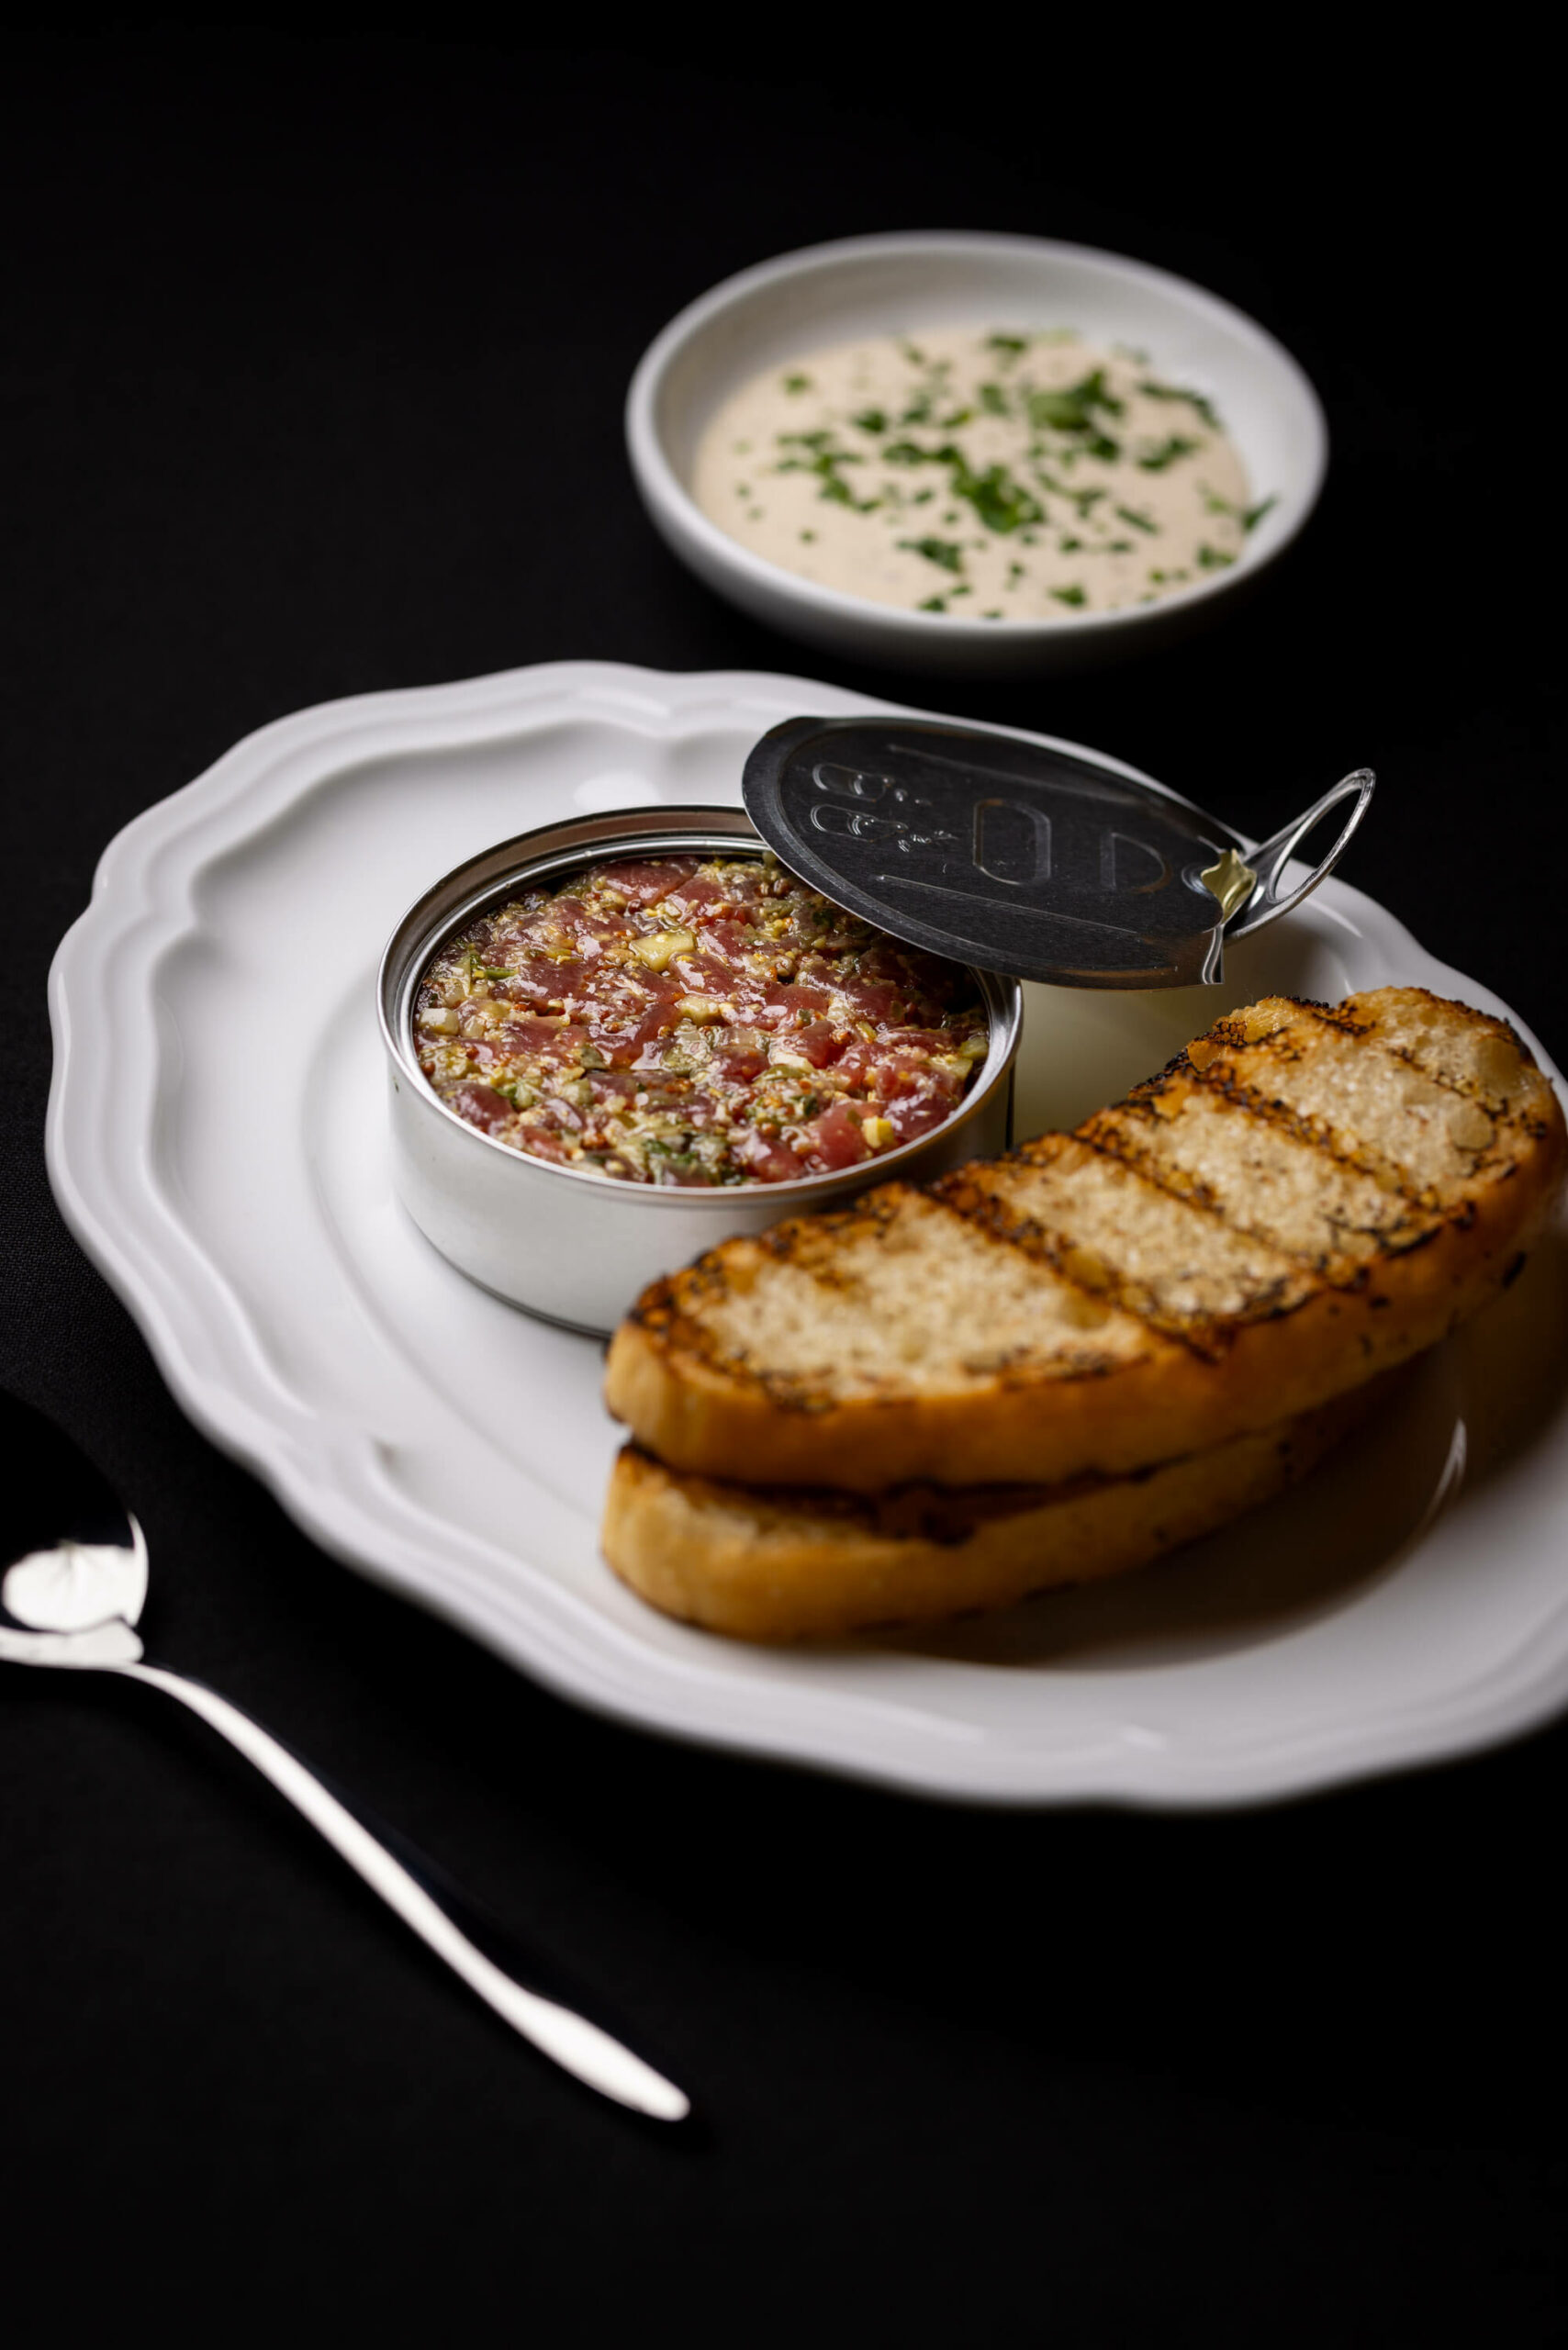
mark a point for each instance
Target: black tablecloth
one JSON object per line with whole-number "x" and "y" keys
{"x": 317, "y": 348}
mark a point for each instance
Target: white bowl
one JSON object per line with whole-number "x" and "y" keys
{"x": 869, "y": 285}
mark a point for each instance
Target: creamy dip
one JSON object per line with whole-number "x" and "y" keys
{"x": 998, "y": 476}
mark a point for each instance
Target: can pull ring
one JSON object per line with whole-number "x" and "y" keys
{"x": 1262, "y": 902}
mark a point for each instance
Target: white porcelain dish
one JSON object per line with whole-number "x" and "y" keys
{"x": 1410, "y": 1602}
{"x": 869, "y": 285}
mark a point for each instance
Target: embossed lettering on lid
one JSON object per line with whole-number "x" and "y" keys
{"x": 1018, "y": 856}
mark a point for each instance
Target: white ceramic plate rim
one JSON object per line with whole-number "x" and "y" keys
{"x": 664, "y": 488}
{"x": 325, "y": 1467}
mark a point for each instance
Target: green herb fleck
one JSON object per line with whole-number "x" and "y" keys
{"x": 1195, "y": 400}
{"x": 939, "y": 550}
{"x": 1071, "y": 409}
{"x": 1213, "y": 559}
{"x": 797, "y": 383}
{"x": 993, "y": 399}
{"x": 1007, "y": 346}
{"x": 1155, "y": 460}
{"x": 1075, "y": 596}
{"x": 1139, "y": 521}
{"x": 1000, "y": 502}
{"x": 872, "y": 420}
{"x": 1255, "y": 514}
{"x": 933, "y": 604}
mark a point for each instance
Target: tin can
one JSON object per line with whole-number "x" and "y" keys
{"x": 574, "y": 1245}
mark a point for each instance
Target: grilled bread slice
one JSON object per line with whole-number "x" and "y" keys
{"x": 783, "y": 1564}
{"x": 1307, "y": 1195}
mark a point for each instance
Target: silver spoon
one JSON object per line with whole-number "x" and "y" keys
{"x": 72, "y": 1584}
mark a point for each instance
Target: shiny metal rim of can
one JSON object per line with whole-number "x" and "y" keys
{"x": 555, "y": 852}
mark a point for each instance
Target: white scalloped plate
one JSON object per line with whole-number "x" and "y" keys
{"x": 217, "y": 1142}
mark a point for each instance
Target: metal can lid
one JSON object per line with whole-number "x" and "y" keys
{"x": 1016, "y": 856}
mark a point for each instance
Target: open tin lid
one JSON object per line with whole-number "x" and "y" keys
{"x": 1041, "y": 863}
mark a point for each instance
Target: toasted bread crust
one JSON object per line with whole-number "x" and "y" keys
{"x": 1306, "y": 1197}
{"x": 785, "y": 1564}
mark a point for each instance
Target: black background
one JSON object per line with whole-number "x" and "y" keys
{"x": 316, "y": 348}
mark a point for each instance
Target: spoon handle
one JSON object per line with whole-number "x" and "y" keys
{"x": 580, "y": 2047}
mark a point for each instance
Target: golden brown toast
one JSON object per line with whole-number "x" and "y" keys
{"x": 1307, "y": 1195}
{"x": 784, "y": 1563}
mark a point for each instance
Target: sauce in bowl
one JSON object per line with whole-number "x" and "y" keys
{"x": 999, "y": 477}
{"x": 694, "y": 1021}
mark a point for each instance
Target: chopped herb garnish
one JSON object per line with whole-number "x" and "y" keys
{"x": 1213, "y": 558}
{"x": 1154, "y": 461}
{"x": 933, "y": 604}
{"x": 1009, "y": 346}
{"x": 941, "y": 551}
{"x": 797, "y": 383}
{"x": 1255, "y": 514}
{"x": 1139, "y": 521}
{"x": 1153, "y": 391}
{"x": 1074, "y": 595}
{"x": 872, "y": 420}
{"x": 1001, "y": 502}
{"x": 1071, "y": 409}
{"x": 993, "y": 399}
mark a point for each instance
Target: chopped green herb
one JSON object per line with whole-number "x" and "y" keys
{"x": 933, "y": 604}
{"x": 1009, "y": 346}
{"x": 1001, "y": 502}
{"x": 1071, "y": 409}
{"x": 797, "y": 383}
{"x": 1204, "y": 407}
{"x": 1075, "y": 596}
{"x": 1255, "y": 514}
{"x": 1213, "y": 558}
{"x": 871, "y": 420}
{"x": 941, "y": 551}
{"x": 993, "y": 399}
{"x": 1139, "y": 521}
{"x": 1154, "y": 461}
